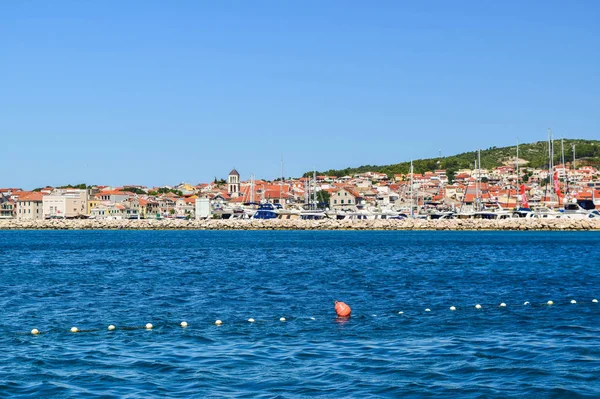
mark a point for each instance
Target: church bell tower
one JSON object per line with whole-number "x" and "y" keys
{"x": 233, "y": 184}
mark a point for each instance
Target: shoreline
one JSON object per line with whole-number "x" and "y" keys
{"x": 326, "y": 224}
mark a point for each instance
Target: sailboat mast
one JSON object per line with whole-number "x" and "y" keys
{"x": 476, "y": 185}
{"x": 306, "y": 191}
{"x": 411, "y": 188}
{"x": 552, "y": 160}
{"x": 517, "y": 162}
{"x": 517, "y": 169}
{"x": 281, "y": 180}
{"x": 479, "y": 177}
{"x": 315, "y": 188}
{"x": 562, "y": 152}
{"x": 549, "y": 161}
{"x": 564, "y": 168}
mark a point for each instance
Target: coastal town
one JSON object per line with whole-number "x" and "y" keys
{"x": 496, "y": 193}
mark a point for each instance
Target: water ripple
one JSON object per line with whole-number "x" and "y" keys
{"x": 90, "y": 279}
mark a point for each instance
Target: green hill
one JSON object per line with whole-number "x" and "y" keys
{"x": 536, "y": 154}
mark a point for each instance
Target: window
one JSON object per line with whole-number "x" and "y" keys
{"x": 335, "y": 201}
{"x": 345, "y": 194}
{"x": 342, "y": 201}
{"x": 339, "y": 193}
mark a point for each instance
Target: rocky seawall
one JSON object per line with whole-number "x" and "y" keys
{"x": 326, "y": 224}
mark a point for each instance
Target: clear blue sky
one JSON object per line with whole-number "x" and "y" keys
{"x": 160, "y": 92}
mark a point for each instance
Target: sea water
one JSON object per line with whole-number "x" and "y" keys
{"x": 389, "y": 347}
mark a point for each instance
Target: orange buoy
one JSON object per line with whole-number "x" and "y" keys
{"x": 342, "y": 309}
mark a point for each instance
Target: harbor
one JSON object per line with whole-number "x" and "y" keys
{"x": 515, "y": 224}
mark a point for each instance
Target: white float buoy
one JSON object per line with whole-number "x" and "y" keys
{"x": 400, "y": 312}
{"x": 573, "y": 301}
{"x": 184, "y": 324}
{"x": 428, "y": 310}
{"x": 312, "y": 318}
{"x": 453, "y": 308}
{"x": 218, "y": 322}
{"x": 74, "y": 329}
{"x": 502, "y": 305}
{"x": 251, "y": 320}
{"x": 478, "y": 306}
{"x": 525, "y": 303}
{"x": 594, "y": 300}
{"x": 282, "y": 319}
{"x": 111, "y": 327}
{"x": 149, "y": 326}
{"x": 549, "y": 303}
{"x": 35, "y": 331}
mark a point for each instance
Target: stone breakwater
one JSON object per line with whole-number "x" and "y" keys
{"x": 326, "y": 224}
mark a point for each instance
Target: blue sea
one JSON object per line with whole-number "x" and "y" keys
{"x": 402, "y": 339}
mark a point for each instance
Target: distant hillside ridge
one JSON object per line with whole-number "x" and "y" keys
{"x": 587, "y": 152}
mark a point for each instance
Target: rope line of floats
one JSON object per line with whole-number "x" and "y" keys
{"x": 342, "y": 310}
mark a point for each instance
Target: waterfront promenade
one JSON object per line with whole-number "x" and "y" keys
{"x": 326, "y": 224}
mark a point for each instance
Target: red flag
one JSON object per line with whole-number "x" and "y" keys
{"x": 524, "y": 202}
{"x": 557, "y": 185}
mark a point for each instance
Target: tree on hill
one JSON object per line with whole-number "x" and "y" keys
{"x": 81, "y": 186}
{"x": 165, "y": 190}
{"x": 536, "y": 154}
{"x": 134, "y": 190}
{"x": 219, "y": 182}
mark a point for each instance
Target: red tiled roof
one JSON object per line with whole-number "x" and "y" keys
{"x": 113, "y": 192}
{"x": 30, "y": 196}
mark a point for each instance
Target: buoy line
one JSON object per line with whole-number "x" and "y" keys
{"x": 342, "y": 310}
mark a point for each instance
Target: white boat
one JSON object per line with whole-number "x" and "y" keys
{"x": 493, "y": 215}
{"x": 312, "y": 212}
{"x": 574, "y": 210}
{"x": 288, "y": 214}
{"x": 545, "y": 213}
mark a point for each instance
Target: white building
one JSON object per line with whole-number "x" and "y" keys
{"x": 203, "y": 208}
{"x": 65, "y": 203}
